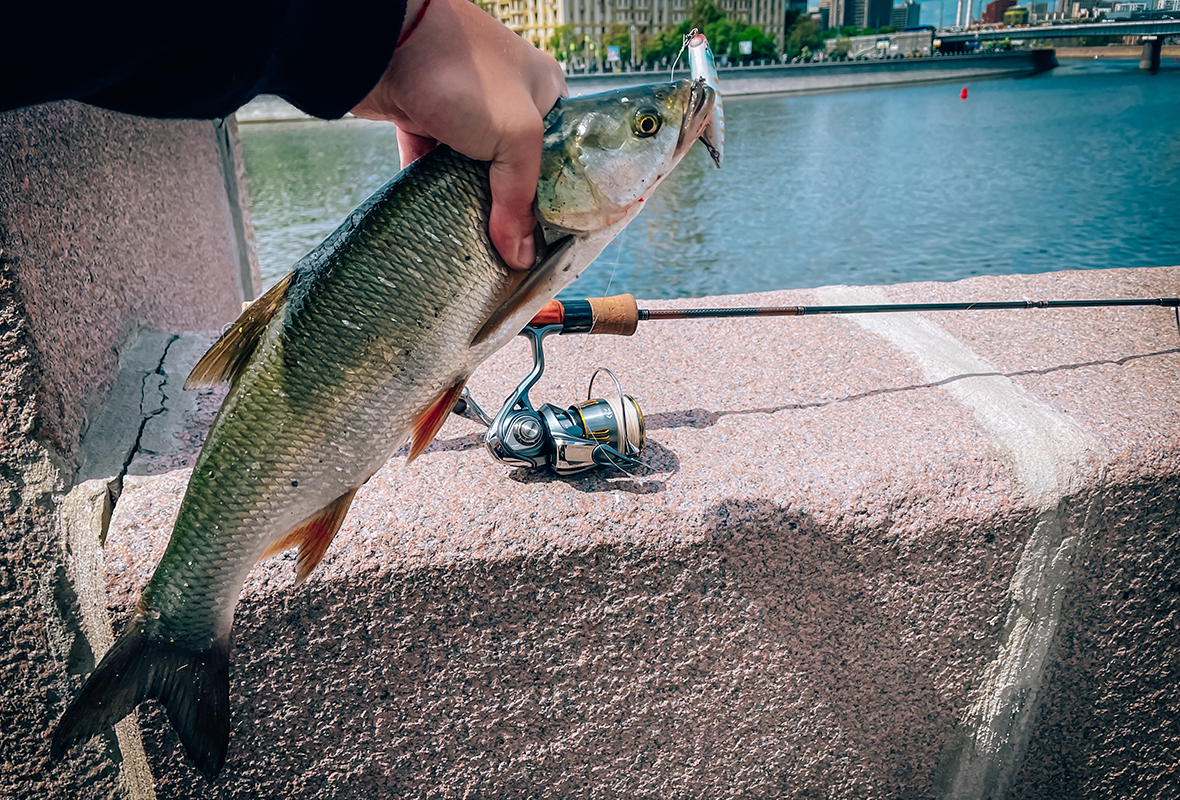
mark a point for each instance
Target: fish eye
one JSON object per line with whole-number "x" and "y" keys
{"x": 647, "y": 123}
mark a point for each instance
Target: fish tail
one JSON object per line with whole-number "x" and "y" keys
{"x": 192, "y": 684}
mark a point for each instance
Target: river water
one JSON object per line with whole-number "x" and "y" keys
{"x": 1078, "y": 168}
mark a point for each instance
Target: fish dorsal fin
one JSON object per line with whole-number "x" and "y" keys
{"x": 313, "y": 536}
{"x": 534, "y": 282}
{"x": 432, "y": 418}
{"x": 229, "y": 355}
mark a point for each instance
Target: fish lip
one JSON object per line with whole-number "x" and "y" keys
{"x": 700, "y": 108}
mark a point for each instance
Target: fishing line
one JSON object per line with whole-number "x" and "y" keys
{"x": 683, "y": 46}
{"x": 611, "y": 278}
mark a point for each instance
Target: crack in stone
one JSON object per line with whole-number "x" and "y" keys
{"x": 145, "y": 417}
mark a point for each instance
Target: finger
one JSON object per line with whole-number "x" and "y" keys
{"x": 552, "y": 85}
{"x": 513, "y": 178}
{"x": 411, "y": 146}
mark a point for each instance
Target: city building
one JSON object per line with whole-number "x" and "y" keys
{"x": 871, "y": 13}
{"x": 797, "y": 7}
{"x": 538, "y": 20}
{"x": 993, "y": 13}
{"x": 906, "y": 15}
{"x": 839, "y": 12}
{"x": 1038, "y": 11}
{"x": 1083, "y": 9}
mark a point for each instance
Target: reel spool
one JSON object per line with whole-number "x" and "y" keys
{"x": 594, "y": 433}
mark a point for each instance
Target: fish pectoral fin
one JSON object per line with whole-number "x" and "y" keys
{"x": 534, "y": 282}
{"x": 313, "y": 536}
{"x": 229, "y": 355}
{"x": 427, "y": 424}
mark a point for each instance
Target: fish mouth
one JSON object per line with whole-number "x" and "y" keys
{"x": 698, "y": 113}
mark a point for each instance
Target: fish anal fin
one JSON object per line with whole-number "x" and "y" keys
{"x": 229, "y": 355}
{"x": 313, "y": 536}
{"x": 524, "y": 291}
{"x": 432, "y": 418}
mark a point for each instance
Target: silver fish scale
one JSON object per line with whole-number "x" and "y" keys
{"x": 376, "y": 326}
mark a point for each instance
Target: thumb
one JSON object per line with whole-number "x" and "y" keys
{"x": 411, "y": 146}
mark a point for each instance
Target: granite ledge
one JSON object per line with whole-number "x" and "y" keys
{"x": 845, "y": 570}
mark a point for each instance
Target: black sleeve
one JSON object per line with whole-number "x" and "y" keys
{"x": 198, "y": 60}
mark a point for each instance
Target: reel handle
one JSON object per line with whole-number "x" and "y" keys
{"x": 618, "y": 315}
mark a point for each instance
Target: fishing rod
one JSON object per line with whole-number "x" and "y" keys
{"x": 621, "y": 315}
{"x": 610, "y": 432}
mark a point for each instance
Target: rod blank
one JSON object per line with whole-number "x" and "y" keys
{"x": 802, "y": 311}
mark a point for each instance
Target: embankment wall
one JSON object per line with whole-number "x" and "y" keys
{"x": 839, "y": 75}
{"x": 895, "y": 556}
{"x": 109, "y": 225}
{"x": 777, "y": 79}
{"x": 1124, "y": 52}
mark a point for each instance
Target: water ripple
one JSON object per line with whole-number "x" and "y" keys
{"x": 1075, "y": 169}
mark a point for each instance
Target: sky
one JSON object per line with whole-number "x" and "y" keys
{"x": 931, "y": 8}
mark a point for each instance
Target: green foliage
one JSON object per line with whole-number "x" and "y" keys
{"x": 704, "y": 14}
{"x": 620, "y": 36}
{"x": 665, "y": 44}
{"x": 848, "y": 31}
{"x": 843, "y": 46}
{"x": 560, "y": 41}
{"x": 723, "y": 34}
{"x": 803, "y": 35}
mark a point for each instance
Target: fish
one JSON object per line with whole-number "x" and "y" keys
{"x": 366, "y": 344}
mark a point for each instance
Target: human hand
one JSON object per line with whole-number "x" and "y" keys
{"x": 464, "y": 79}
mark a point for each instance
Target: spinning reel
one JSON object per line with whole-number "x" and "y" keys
{"x": 594, "y": 433}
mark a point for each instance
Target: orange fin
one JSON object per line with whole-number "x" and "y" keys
{"x": 229, "y": 355}
{"x": 430, "y": 420}
{"x": 313, "y": 536}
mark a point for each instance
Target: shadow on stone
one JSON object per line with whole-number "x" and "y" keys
{"x": 752, "y": 652}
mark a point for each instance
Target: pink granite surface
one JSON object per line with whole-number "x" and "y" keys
{"x": 108, "y": 224}
{"x": 795, "y": 598}
{"x": 112, "y": 223}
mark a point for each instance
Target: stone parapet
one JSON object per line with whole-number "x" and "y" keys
{"x": 905, "y": 556}
{"x": 109, "y": 226}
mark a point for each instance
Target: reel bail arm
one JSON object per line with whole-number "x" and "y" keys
{"x": 593, "y": 433}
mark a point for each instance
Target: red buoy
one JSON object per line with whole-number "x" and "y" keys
{"x": 963, "y": 94}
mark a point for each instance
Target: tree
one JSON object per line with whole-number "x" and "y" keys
{"x": 704, "y": 14}
{"x": 620, "y": 36}
{"x": 803, "y": 34}
{"x": 665, "y": 44}
{"x": 761, "y": 45}
{"x": 723, "y": 34}
{"x": 560, "y": 41}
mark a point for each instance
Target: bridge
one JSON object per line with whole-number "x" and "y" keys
{"x": 1153, "y": 32}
